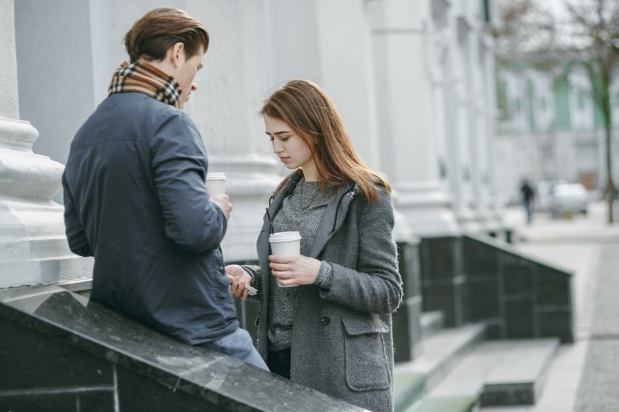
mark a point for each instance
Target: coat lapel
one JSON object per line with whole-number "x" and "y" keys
{"x": 262, "y": 244}
{"x": 332, "y": 218}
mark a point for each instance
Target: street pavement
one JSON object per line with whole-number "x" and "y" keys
{"x": 584, "y": 376}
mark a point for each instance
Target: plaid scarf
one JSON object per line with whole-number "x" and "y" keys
{"x": 143, "y": 78}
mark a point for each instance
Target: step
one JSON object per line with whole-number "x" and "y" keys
{"x": 444, "y": 404}
{"x": 506, "y": 372}
{"x": 503, "y": 372}
{"x": 441, "y": 352}
{"x": 519, "y": 378}
{"x": 431, "y": 322}
{"x": 407, "y": 389}
{"x": 469, "y": 376}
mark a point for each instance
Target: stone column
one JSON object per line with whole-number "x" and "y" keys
{"x": 475, "y": 111}
{"x": 33, "y": 247}
{"x": 456, "y": 119}
{"x": 405, "y": 106}
{"x": 346, "y": 69}
{"x": 487, "y": 114}
{"x": 307, "y": 40}
{"x": 225, "y": 109}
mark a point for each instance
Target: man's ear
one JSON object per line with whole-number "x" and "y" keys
{"x": 176, "y": 52}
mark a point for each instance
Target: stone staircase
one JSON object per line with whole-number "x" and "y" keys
{"x": 459, "y": 371}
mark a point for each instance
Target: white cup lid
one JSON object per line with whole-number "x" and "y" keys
{"x": 215, "y": 176}
{"x": 284, "y": 236}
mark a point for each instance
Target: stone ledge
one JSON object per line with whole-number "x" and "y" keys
{"x": 138, "y": 362}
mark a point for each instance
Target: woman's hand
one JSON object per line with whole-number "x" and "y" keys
{"x": 238, "y": 278}
{"x": 294, "y": 270}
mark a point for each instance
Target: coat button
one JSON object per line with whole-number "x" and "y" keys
{"x": 325, "y": 320}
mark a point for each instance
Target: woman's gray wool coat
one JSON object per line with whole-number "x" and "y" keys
{"x": 342, "y": 343}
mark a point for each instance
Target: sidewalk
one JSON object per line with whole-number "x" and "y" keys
{"x": 583, "y": 376}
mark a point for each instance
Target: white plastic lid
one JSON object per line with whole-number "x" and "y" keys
{"x": 215, "y": 176}
{"x": 284, "y": 236}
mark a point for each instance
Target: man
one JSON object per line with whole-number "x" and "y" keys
{"x": 136, "y": 200}
{"x": 528, "y": 196}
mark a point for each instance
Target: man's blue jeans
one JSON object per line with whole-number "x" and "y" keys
{"x": 238, "y": 344}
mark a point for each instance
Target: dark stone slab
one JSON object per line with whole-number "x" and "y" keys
{"x": 477, "y": 260}
{"x": 552, "y": 288}
{"x": 408, "y": 262}
{"x": 518, "y": 284}
{"x": 407, "y": 330}
{"x": 510, "y": 394}
{"x": 137, "y": 393}
{"x": 530, "y": 293}
{"x": 519, "y": 319}
{"x": 96, "y": 401}
{"x": 518, "y": 376}
{"x": 517, "y": 276}
{"x": 57, "y": 402}
{"x": 407, "y": 319}
{"x": 143, "y": 359}
{"x": 22, "y": 351}
{"x": 484, "y": 299}
{"x": 556, "y": 322}
{"x": 441, "y": 258}
{"x": 451, "y": 300}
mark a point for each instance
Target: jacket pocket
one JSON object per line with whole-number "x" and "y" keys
{"x": 367, "y": 367}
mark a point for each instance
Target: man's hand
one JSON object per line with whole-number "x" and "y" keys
{"x": 223, "y": 201}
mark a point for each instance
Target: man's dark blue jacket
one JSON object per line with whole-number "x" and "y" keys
{"x": 136, "y": 200}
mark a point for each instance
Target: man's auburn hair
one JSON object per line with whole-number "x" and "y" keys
{"x": 153, "y": 34}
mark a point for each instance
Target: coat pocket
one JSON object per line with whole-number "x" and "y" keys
{"x": 367, "y": 367}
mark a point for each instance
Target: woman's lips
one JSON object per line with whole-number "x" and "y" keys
{"x": 284, "y": 159}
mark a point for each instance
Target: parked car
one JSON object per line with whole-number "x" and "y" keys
{"x": 569, "y": 198}
{"x": 544, "y": 193}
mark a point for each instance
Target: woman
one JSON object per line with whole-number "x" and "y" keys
{"x": 333, "y": 331}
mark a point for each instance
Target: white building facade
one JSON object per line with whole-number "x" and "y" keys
{"x": 549, "y": 128}
{"x": 413, "y": 80}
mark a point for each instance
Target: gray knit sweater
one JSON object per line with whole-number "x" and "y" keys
{"x": 302, "y": 212}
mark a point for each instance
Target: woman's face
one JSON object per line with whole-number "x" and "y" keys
{"x": 289, "y": 147}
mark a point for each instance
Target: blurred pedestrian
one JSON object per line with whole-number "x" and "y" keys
{"x": 528, "y": 198}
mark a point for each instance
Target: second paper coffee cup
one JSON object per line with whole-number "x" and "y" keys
{"x": 216, "y": 183}
{"x": 285, "y": 244}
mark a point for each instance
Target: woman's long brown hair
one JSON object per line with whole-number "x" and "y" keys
{"x": 307, "y": 109}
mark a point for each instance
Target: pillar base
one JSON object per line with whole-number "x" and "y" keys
{"x": 250, "y": 182}
{"x": 426, "y": 209}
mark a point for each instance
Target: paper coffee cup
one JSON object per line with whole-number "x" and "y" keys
{"x": 216, "y": 183}
{"x": 285, "y": 244}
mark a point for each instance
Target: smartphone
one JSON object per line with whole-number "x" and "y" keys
{"x": 251, "y": 290}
